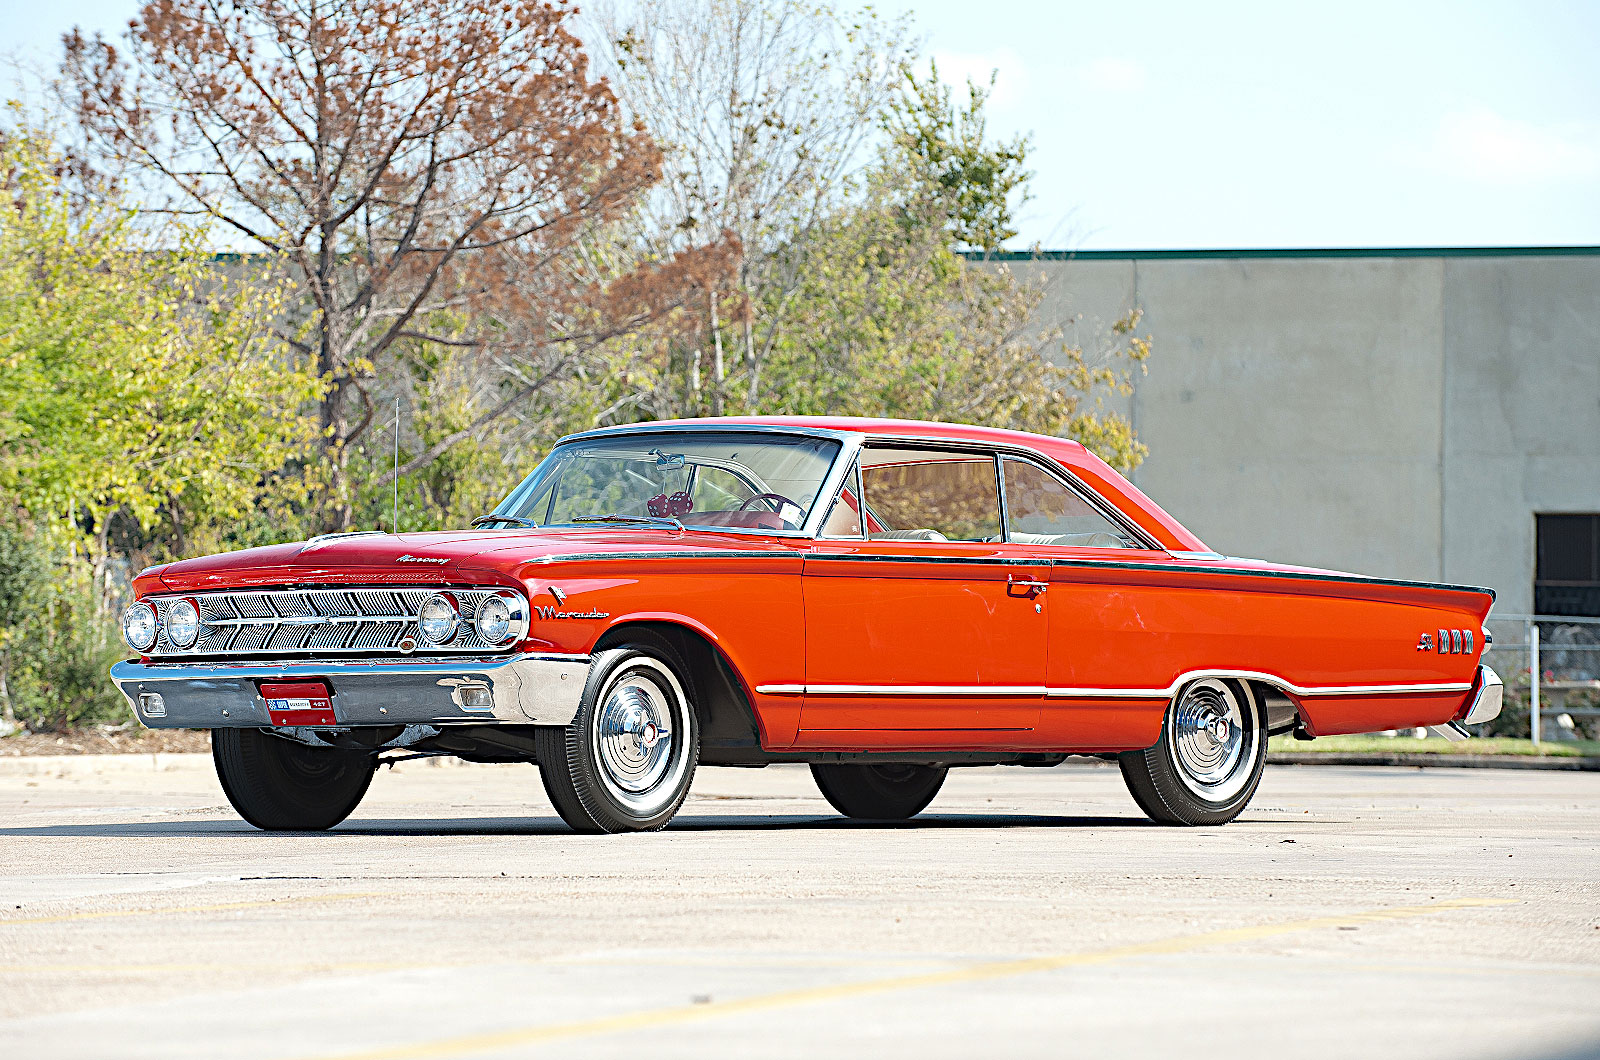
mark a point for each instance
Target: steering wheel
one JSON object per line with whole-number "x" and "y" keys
{"x": 778, "y": 497}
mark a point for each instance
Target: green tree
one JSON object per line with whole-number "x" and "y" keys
{"x": 952, "y": 168}
{"x": 135, "y": 381}
{"x": 145, "y": 410}
{"x": 858, "y": 296}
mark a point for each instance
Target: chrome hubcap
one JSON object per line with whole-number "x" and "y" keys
{"x": 1212, "y": 742}
{"x": 636, "y": 737}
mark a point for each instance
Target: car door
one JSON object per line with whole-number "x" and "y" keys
{"x": 922, "y": 628}
{"x": 1107, "y": 631}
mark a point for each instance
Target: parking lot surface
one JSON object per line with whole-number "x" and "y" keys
{"x": 1029, "y": 912}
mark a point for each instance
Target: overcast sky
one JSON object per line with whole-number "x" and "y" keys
{"x": 1180, "y": 124}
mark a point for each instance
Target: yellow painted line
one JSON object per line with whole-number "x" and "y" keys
{"x": 655, "y": 1019}
{"x": 165, "y": 910}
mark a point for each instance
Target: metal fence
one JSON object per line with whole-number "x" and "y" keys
{"x": 1551, "y": 667}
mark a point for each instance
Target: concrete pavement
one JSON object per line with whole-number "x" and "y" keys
{"x": 1385, "y": 912}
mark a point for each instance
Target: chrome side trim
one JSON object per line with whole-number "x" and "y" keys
{"x": 1030, "y": 561}
{"x": 697, "y": 553}
{"x": 985, "y": 561}
{"x": 1335, "y": 577}
{"x": 1257, "y": 675}
{"x": 924, "y": 690}
{"x": 1105, "y": 693}
{"x": 535, "y": 688}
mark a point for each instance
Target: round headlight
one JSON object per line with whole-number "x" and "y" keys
{"x": 494, "y": 620}
{"x": 438, "y": 619}
{"x": 183, "y": 624}
{"x": 139, "y": 626}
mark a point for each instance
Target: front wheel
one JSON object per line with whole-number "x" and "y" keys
{"x": 626, "y": 761}
{"x": 1205, "y": 767}
{"x": 283, "y": 786}
{"x": 878, "y": 793}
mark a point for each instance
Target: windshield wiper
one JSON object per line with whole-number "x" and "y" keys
{"x": 485, "y": 520}
{"x": 648, "y": 519}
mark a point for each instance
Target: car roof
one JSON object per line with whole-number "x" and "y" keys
{"x": 866, "y": 425}
{"x": 1100, "y": 476}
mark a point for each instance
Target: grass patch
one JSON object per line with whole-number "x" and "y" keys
{"x": 1490, "y": 745}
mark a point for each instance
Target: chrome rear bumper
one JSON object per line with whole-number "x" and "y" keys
{"x": 522, "y": 689}
{"x": 1487, "y": 692}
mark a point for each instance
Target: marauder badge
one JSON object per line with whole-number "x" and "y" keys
{"x": 550, "y": 612}
{"x": 546, "y": 611}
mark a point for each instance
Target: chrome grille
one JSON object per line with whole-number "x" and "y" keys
{"x": 322, "y": 622}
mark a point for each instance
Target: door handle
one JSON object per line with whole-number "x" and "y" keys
{"x": 1035, "y": 588}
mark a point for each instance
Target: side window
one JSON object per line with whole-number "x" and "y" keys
{"x": 844, "y": 518}
{"x": 931, "y": 495}
{"x": 1041, "y": 510}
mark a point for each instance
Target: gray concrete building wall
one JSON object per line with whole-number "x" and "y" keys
{"x": 1396, "y": 413}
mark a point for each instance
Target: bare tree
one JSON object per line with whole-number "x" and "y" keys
{"x": 764, "y": 108}
{"x": 413, "y": 163}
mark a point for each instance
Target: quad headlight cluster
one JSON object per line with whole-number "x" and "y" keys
{"x": 142, "y": 624}
{"x": 501, "y": 617}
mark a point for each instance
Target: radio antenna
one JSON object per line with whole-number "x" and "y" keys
{"x": 394, "y": 525}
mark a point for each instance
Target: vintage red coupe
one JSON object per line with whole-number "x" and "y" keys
{"x": 880, "y": 599}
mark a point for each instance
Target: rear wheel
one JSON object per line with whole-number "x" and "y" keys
{"x": 626, "y": 761}
{"x": 879, "y": 793}
{"x": 280, "y": 785}
{"x": 1205, "y": 767}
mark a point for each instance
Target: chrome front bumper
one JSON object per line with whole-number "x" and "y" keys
{"x": 523, "y": 689}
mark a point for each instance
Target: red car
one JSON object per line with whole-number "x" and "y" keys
{"x": 880, "y": 599}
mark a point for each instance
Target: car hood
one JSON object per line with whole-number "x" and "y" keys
{"x": 445, "y": 556}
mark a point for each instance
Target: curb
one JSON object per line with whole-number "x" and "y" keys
{"x": 96, "y": 764}
{"x": 1571, "y": 763}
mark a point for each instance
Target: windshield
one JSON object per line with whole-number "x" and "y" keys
{"x": 698, "y": 478}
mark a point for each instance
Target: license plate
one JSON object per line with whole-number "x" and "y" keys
{"x": 299, "y": 703}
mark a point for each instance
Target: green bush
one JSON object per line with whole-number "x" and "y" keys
{"x": 56, "y": 640}
{"x": 1514, "y": 716}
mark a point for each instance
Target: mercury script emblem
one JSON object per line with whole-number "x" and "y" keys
{"x": 409, "y": 558}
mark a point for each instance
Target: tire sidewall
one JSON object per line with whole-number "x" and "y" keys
{"x": 610, "y": 665}
{"x": 865, "y": 792}
{"x": 261, "y": 777}
{"x": 1174, "y": 801}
